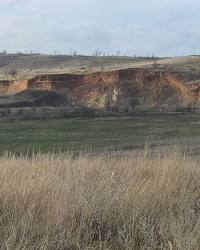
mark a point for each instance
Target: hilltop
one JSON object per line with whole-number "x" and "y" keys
{"x": 28, "y": 66}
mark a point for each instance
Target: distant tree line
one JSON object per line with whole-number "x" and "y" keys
{"x": 73, "y": 52}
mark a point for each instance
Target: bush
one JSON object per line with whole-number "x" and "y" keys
{"x": 13, "y": 72}
{"x": 126, "y": 109}
{"x": 3, "y": 112}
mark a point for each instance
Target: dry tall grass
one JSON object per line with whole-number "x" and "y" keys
{"x": 109, "y": 201}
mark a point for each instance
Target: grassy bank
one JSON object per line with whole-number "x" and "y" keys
{"x": 121, "y": 132}
{"x": 111, "y": 201}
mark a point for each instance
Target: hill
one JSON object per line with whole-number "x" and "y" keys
{"x": 101, "y": 81}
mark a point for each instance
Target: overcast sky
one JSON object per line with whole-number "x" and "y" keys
{"x": 133, "y": 27}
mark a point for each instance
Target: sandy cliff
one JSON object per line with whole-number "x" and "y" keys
{"x": 125, "y": 87}
{"x": 132, "y": 86}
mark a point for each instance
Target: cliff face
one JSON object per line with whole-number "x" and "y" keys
{"x": 12, "y": 87}
{"x": 120, "y": 87}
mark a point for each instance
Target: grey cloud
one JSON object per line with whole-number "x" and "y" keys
{"x": 134, "y": 27}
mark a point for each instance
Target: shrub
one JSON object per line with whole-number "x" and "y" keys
{"x": 13, "y": 72}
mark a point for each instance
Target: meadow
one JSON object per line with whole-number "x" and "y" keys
{"x": 99, "y": 133}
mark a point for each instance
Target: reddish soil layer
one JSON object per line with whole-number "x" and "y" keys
{"x": 131, "y": 86}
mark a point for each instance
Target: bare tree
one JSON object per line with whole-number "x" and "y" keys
{"x": 74, "y": 53}
{"x": 96, "y": 52}
{"x": 4, "y": 52}
{"x": 118, "y": 53}
{"x": 108, "y": 103}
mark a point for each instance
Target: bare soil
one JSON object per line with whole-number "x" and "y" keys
{"x": 90, "y": 81}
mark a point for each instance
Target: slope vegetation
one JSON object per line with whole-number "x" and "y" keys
{"x": 34, "y": 98}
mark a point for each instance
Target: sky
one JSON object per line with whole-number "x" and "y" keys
{"x": 110, "y": 27}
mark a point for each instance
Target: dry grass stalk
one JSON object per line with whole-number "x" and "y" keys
{"x": 109, "y": 201}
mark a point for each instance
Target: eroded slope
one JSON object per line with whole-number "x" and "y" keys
{"x": 122, "y": 87}
{"x": 125, "y": 87}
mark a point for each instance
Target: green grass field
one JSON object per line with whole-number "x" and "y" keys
{"x": 115, "y": 132}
